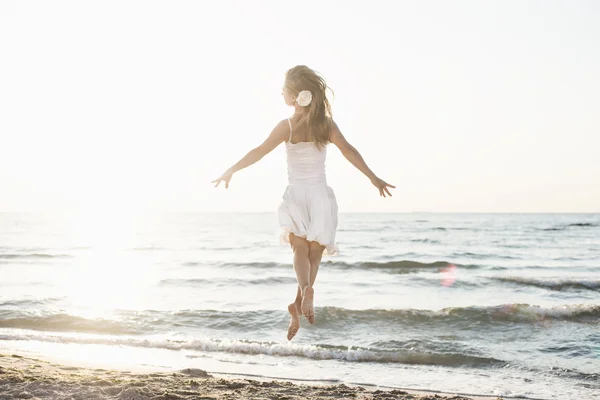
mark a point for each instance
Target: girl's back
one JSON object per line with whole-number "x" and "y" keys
{"x": 305, "y": 161}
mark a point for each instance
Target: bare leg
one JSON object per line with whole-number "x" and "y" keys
{"x": 298, "y": 301}
{"x": 314, "y": 256}
{"x": 302, "y": 267}
{"x": 301, "y": 249}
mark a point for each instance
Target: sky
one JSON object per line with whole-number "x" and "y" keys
{"x": 465, "y": 106}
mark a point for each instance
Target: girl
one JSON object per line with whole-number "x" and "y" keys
{"x": 308, "y": 212}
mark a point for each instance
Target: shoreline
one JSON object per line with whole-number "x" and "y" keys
{"x": 23, "y": 377}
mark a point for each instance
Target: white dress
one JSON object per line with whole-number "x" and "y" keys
{"x": 309, "y": 208}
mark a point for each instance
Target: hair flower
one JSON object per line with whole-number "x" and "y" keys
{"x": 304, "y": 98}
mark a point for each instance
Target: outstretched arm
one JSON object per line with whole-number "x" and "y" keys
{"x": 278, "y": 135}
{"x": 352, "y": 155}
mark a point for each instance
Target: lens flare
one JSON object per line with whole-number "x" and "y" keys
{"x": 448, "y": 275}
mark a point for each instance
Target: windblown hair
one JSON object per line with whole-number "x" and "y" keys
{"x": 317, "y": 119}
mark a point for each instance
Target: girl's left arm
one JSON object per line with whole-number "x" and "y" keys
{"x": 351, "y": 154}
{"x": 278, "y": 135}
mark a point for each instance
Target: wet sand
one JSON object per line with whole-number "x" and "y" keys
{"x": 27, "y": 378}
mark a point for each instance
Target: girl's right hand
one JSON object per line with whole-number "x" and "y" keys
{"x": 226, "y": 177}
{"x": 382, "y": 186}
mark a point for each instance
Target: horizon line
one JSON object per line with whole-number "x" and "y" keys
{"x": 274, "y": 212}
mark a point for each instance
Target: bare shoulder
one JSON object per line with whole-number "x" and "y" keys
{"x": 335, "y": 129}
{"x": 280, "y": 133}
{"x": 281, "y": 130}
{"x": 335, "y": 135}
{"x": 284, "y": 124}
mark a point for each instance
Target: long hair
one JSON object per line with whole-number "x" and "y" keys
{"x": 317, "y": 119}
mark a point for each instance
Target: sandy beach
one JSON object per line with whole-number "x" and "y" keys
{"x": 28, "y": 378}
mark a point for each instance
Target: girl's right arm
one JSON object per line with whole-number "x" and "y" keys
{"x": 352, "y": 155}
{"x": 279, "y": 134}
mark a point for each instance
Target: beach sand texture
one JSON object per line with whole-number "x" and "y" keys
{"x": 28, "y": 378}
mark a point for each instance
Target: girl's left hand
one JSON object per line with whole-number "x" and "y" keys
{"x": 382, "y": 186}
{"x": 226, "y": 177}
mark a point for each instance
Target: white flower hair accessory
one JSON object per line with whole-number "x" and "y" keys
{"x": 304, "y": 98}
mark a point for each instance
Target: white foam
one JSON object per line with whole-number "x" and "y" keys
{"x": 255, "y": 348}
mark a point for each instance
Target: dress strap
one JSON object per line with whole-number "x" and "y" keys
{"x": 290, "y": 123}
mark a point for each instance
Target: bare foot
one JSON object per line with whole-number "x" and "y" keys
{"x": 294, "y": 321}
{"x": 307, "y": 304}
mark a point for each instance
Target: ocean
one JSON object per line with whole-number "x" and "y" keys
{"x": 489, "y": 304}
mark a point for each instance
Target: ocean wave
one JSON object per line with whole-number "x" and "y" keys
{"x": 523, "y": 313}
{"x": 32, "y": 255}
{"x": 400, "y": 267}
{"x": 484, "y": 256}
{"x": 63, "y": 323}
{"x": 23, "y": 249}
{"x": 571, "y": 225}
{"x": 403, "y": 266}
{"x": 455, "y": 228}
{"x": 337, "y": 318}
{"x": 553, "y": 284}
{"x": 584, "y": 224}
{"x": 341, "y": 318}
{"x": 275, "y": 349}
{"x": 28, "y": 302}
{"x": 365, "y": 229}
{"x": 426, "y": 240}
{"x": 257, "y": 265}
{"x": 275, "y": 280}
{"x": 329, "y": 318}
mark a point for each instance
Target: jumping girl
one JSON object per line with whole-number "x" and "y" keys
{"x": 308, "y": 212}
